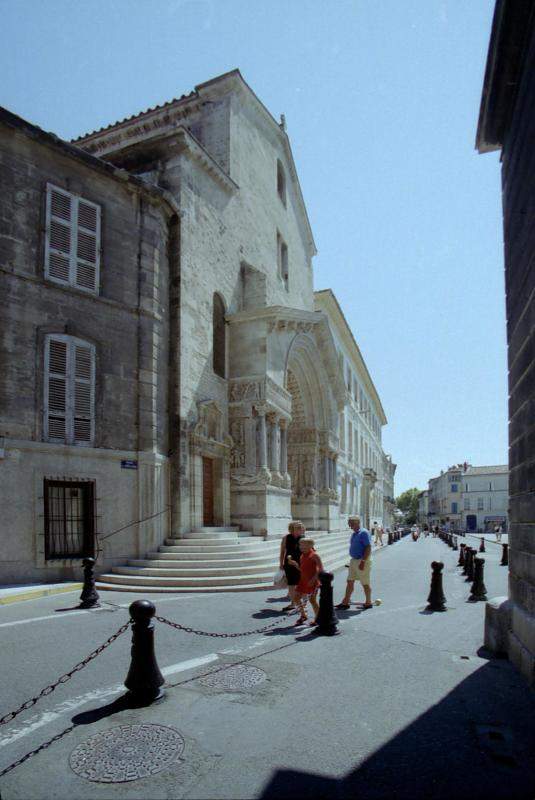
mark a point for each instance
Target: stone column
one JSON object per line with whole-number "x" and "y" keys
{"x": 262, "y": 439}
{"x": 274, "y": 443}
{"x": 332, "y": 477}
{"x": 283, "y": 463}
{"x": 326, "y": 468}
{"x": 250, "y": 443}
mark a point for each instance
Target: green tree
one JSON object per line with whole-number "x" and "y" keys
{"x": 408, "y": 503}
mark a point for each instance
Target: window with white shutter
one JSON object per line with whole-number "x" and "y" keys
{"x": 69, "y": 390}
{"x": 72, "y": 245}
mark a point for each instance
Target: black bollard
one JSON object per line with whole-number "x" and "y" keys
{"x": 327, "y": 621}
{"x": 389, "y": 537}
{"x": 505, "y": 555}
{"x": 466, "y": 559}
{"x": 455, "y": 545}
{"x": 460, "y": 562}
{"x": 470, "y": 565}
{"x": 89, "y": 597}
{"x": 482, "y": 546}
{"x": 478, "y": 590}
{"x": 144, "y": 679}
{"x": 436, "y": 600}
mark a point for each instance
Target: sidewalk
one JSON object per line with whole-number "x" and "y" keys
{"x": 16, "y": 593}
{"x": 402, "y": 704}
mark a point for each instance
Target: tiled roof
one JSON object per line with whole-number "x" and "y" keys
{"x": 136, "y": 116}
{"x": 501, "y": 468}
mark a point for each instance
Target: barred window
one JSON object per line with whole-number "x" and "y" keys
{"x": 69, "y": 390}
{"x": 72, "y": 243}
{"x": 69, "y": 519}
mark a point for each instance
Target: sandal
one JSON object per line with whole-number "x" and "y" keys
{"x": 343, "y": 606}
{"x": 300, "y": 621}
{"x": 288, "y": 608}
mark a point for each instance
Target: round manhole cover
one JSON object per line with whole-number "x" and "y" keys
{"x": 235, "y": 679}
{"x": 126, "y": 753}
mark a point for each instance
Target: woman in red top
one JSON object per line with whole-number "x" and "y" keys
{"x": 309, "y": 566}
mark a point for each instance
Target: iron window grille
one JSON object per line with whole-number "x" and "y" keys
{"x": 69, "y": 519}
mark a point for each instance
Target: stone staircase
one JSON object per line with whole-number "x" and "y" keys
{"x": 216, "y": 560}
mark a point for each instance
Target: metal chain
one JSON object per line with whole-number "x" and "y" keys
{"x": 43, "y": 746}
{"x": 64, "y": 678}
{"x": 220, "y": 635}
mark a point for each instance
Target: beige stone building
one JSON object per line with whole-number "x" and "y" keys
{"x": 444, "y": 498}
{"x": 169, "y": 369}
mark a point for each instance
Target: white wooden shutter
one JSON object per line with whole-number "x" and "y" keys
{"x": 87, "y": 245}
{"x": 69, "y": 390}
{"x": 59, "y": 234}
{"x": 56, "y": 361}
{"x": 83, "y": 393}
{"x": 72, "y": 245}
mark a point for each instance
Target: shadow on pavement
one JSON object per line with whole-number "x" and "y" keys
{"x": 126, "y": 701}
{"x": 478, "y": 743}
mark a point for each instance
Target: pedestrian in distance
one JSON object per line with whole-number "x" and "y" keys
{"x": 376, "y": 534}
{"x": 309, "y": 568}
{"x": 360, "y": 564}
{"x": 290, "y": 550}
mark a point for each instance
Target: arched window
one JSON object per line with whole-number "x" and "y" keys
{"x": 219, "y": 348}
{"x": 281, "y": 182}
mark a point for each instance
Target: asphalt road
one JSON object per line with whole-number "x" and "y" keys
{"x": 403, "y": 703}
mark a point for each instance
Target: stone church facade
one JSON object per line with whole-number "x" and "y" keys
{"x": 168, "y": 365}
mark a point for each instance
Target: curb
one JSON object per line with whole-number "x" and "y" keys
{"x": 33, "y": 593}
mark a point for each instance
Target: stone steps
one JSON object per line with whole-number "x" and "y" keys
{"x": 221, "y": 559}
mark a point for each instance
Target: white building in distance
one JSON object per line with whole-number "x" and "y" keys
{"x": 485, "y": 493}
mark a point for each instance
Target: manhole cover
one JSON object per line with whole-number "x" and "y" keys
{"x": 126, "y": 753}
{"x": 235, "y": 679}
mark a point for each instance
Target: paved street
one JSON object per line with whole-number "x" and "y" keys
{"x": 403, "y": 703}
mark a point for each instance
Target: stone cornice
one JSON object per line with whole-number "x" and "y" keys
{"x": 275, "y": 314}
{"x": 132, "y": 182}
{"x": 170, "y": 139}
{"x": 327, "y": 302}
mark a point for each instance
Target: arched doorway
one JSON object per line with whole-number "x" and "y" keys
{"x": 312, "y": 438}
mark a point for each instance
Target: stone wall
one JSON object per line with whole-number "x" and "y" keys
{"x": 518, "y": 180}
{"x": 126, "y": 322}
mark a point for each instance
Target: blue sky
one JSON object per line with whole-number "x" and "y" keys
{"x": 381, "y": 99}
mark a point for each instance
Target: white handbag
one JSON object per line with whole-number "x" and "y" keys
{"x": 279, "y": 581}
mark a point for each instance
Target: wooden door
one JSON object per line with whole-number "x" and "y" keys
{"x": 208, "y": 491}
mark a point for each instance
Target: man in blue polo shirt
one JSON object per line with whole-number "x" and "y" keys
{"x": 360, "y": 550}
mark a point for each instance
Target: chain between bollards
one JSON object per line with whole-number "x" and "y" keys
{"x": 64, "y": 678}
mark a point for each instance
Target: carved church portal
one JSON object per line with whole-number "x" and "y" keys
{"x": 208, "y": 491}
{"x": 312, "y": 443}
